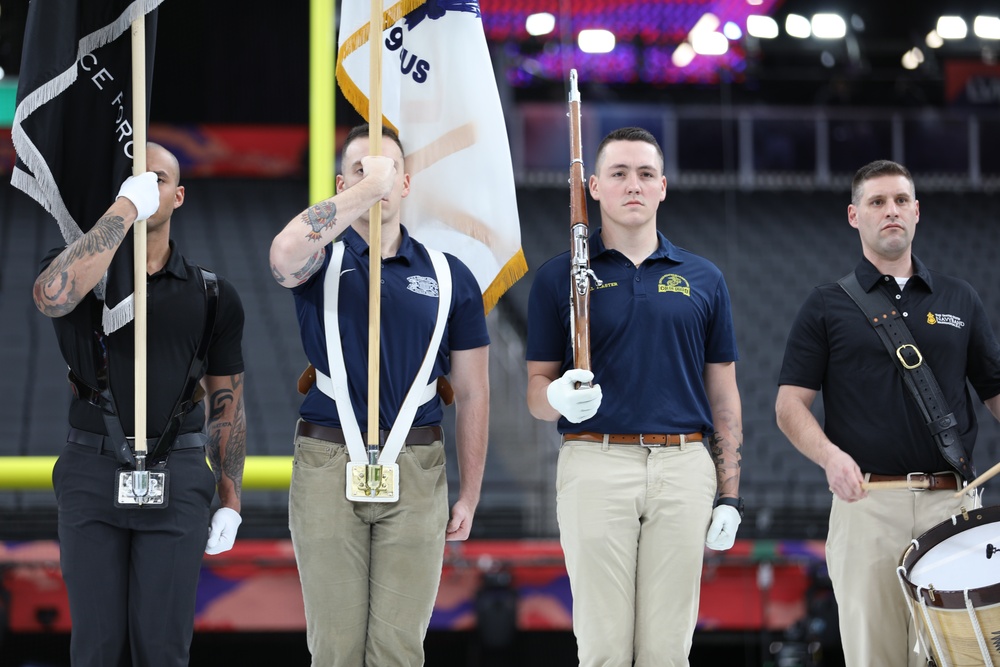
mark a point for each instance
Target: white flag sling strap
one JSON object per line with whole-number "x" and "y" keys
{"x": 335, "y": 386}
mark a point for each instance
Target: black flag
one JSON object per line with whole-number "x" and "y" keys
{"x": 72, "y": 126}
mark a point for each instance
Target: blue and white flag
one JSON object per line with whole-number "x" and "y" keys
{"x": 439, "y": 93}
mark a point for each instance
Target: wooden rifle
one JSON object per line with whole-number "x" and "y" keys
{"x": 581, "y": 275}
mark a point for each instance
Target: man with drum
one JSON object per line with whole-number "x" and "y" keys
{"x": 893, "y": 477}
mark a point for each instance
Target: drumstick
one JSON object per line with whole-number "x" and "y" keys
{"x": 895, "y": 484}
{"x": 982, "y": 479}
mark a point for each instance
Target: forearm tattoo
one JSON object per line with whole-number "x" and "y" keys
{"x": 55, "y": 291}
{"x": 319, "y": 218}
{"x": 310, "y": 267}
{"x": 227, "y": 460}
{"x": 727, "y": 452}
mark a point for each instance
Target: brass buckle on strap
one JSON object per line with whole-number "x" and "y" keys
{"x": 372, "y": 483}
{"x": 899, "y": 355}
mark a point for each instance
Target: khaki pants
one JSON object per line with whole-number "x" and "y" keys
{"x": 632, "y": 523}
{"x": 369, "y": 571}
{"x": 863, "y": 548}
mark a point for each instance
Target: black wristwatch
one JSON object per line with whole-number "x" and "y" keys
{"x": 732, "y": 502}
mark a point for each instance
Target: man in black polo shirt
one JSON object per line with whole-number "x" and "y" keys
{"x": 874, "y": 431}
{"x": 132, "y": 572}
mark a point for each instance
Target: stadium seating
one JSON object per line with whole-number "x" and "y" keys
{"x": 773, "y": 247}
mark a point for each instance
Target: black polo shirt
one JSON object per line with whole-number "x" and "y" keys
{"x": 869, "y": 412}
{"x": 175, "y": 324}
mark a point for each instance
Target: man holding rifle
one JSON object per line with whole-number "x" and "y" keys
{"x": 646, "y": 448}
{"x": 370, "y": 566}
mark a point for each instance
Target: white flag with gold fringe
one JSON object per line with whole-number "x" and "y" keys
{"x": 440, "y": 94}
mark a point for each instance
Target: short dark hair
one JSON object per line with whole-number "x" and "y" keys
{"x": 629, "y": 134}
{"x": 362, "y": 130}
{"x": 874, "y": 170}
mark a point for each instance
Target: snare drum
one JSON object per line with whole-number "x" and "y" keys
{"x": 951, "y": 579}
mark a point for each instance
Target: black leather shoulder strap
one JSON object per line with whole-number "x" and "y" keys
{"x": 186, "y": 401}
{"x": 103, "y": 398}
{"x": 916, "y": 373}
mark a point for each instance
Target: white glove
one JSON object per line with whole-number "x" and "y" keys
{"x": 143, "y": 192}
{"x": 222, "y": 534}
{"x": 574, "y": 404}
{"x": 722, "y": 533}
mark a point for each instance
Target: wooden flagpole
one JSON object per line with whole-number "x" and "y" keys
{"x": 139, "y": 235}
{"x": 375, "y": 225}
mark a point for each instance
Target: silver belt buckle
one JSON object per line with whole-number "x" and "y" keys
{"x": 909, "y": 481}
{"x": 650, "y": 445}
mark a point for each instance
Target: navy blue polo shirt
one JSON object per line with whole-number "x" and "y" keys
{"x": 869, "y": 413}
{"x": 175, "y": 303}
{"x": 407, "y": 323}
{"x": 652, "y": 330}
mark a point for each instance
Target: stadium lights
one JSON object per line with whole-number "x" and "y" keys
{"x": 732, "y": 31}
{"x": 596, "y": 41}
{"x": 703, "y": 38}
{"x": 913, "y": 58}
{"x": 934, "y": 40}
{"x": 707, "y": 23}
{"x": 709, "y": 43}
{"x": 762, "y": 27}
{"x": 952, "y": 27}
{"x": 798, "y": 26}
{"x": 828, "y": 26}
{"x": 683, "y": 55}
{"x": 540, "y": 24}
{"x": 987, "y": 27}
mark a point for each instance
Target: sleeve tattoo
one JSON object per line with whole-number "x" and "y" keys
{"x": 56, "y": 292}
{"x": 227, "y": 460}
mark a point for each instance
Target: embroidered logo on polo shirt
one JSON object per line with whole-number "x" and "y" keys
{"x": 950, "y": 320}
{"x": 422, "y": 285}
{"x": 672, "y": 282}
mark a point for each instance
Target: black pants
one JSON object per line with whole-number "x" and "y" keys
{"x": 131, "y": 574}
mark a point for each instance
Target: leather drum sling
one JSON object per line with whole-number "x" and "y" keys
{"x": 917, "y": 375}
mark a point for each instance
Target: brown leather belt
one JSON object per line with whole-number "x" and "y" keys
{"x": 944, "y": 481}
{"x": 423, "y": 435}
{"x": 644, "y": 439}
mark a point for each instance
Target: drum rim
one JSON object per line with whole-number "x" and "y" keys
{"x": 953, "y": 525}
